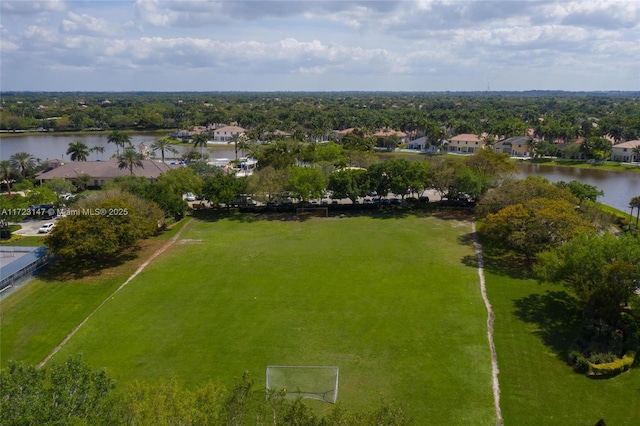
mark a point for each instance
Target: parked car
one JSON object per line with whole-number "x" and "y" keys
{"x": 190, "y": 196}
{"x": 46, "y": 228}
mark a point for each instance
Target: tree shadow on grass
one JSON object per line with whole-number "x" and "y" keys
{"x": 505, "y": 263}
{"x": 75, "y": 269}
{"x": 558, "y": 318}
{"x": 280, "y": 214}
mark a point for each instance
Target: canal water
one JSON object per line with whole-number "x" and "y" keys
{"x": 618, "y": 187}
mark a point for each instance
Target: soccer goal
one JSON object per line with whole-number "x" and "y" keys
{"x": 311, "y": 382}
{"x": 313, "y": 211}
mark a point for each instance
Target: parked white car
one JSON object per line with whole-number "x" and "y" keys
{"x": 46, "y": 228}
{"x": 190, "y": 197}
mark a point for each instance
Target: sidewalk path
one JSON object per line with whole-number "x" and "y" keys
{"x": 490, "y": 319}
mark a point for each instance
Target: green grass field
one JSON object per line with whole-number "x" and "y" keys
{"x": 386, "y": 300}
{"x": 393, "y": 301}
{"x": 535, "y": 325}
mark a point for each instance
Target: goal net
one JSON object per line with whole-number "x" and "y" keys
{"x": 311, "y": 382}
{"x": 313, "y": 211}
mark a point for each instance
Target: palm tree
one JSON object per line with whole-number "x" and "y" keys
{"x": 200, "y": 140}
{"x": 5, "y": 170}
{"x": 120, "y": 139}
{"x": 23, "y": 161}
{"x": 634, "y": 203}
{"x": 129, "y": 159}
{"x": 97, "y": 148}
{"x": 79, "y": 151}
{"x": 239, "y": 142}
{"x": 162, "y": 144}
{"x": 636, "y": 152}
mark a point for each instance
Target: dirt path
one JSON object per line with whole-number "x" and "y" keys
{"x": 490, "y": 319}
{"x": 135, "y": 274}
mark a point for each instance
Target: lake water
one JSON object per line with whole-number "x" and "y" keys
{"x": 618, "y": 187}
{"x": 48, "y": 147}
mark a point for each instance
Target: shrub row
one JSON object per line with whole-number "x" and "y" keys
{"x": 615, "y": 367}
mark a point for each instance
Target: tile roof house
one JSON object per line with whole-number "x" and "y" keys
{"x": 465, "y": 143}
{"x": 516, "y": 146}
{"x": 224, "y": 134}
{"x": 385, "y": 133}
{"x": 102, "y": 171}
{"x": 624, "y": 152}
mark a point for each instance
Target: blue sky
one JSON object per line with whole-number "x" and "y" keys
{"x": 424, "y": 45}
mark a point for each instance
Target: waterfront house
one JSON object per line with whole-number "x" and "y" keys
{"x": 624, "y": 152}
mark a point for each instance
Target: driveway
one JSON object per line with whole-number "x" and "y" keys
{"x": 30, "y": 227}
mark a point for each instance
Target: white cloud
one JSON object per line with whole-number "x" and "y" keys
{"x": 336, "y": 42}
{"x": 86, "y": 24}
{"x": 17, "y": 7}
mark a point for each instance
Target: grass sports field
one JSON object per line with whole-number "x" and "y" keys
{"x": 394, "y": 302}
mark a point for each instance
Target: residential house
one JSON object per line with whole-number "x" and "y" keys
{"x": 465, "y": 144}
{"x": 421, "y": 144}
{"x": 100, "y": 172}
{"x": 624, "y": 152}
{"x": 342, "y": 133}
{"x": 226, "y": 133}
{"x": 517, "y": 146}
{"x": 388, "y": 133}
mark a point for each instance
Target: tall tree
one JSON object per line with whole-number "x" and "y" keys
{"x": 78, "y": 151}
{"x": 635, "y": 203}
{"x": 120, "y": 139}
{"x": 162, "y": 145}
{"x": 130, "y": 159}
{"x": 200, "y": 140}
{"x": 97, "y": 149}
{"x": 23, "y": 161}
{"x": 5, "y": 171}
{"x": 349, "y": 183}
{"x": 534, "y": 226}
{"x": 306, "y": 183}
{"x": 602, "y": 270}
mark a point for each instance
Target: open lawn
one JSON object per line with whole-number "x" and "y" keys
{"x": 535, "y": 325}
{"x": 388, "y": 300}
{"x": 393, "y": 301}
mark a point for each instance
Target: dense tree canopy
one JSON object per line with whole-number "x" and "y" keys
{"x": 104, "y": 224}
{"x": 534, "y": 225}
{"x": 553, "y": 115}
{"x": 602, "y": 270}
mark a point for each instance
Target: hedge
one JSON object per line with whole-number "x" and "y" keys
{"x": 615, "y": 367}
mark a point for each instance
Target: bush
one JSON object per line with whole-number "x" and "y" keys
{"x": 615, "y": 367}
{"x": 600, "y": 358}
{"x": 582, "y": 365}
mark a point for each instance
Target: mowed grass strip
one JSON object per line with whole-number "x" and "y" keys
{"x": 389, "y": 301}
{"x": 40, "y": 315}
{"x": 535, "y": 324}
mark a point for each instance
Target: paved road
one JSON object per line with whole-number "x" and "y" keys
{"x": 30, "y": 227}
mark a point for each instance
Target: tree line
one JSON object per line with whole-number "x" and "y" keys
{"x": 311, "y": 116}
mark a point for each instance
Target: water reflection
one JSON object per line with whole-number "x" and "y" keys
{"x": 618, "y": 187}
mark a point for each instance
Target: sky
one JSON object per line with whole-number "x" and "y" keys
{"x": 317, "y": 45}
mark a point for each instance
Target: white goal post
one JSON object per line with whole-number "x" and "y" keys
{"x": 310, "y": 382}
